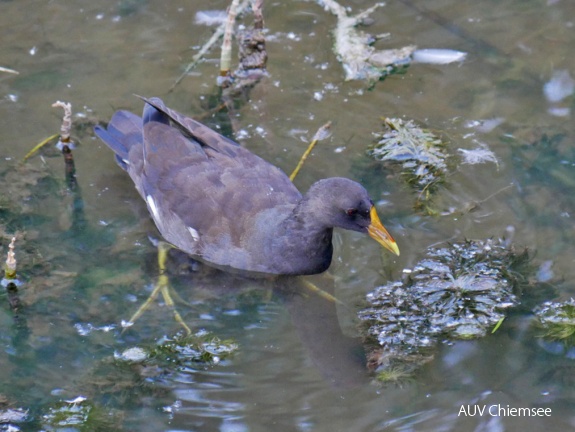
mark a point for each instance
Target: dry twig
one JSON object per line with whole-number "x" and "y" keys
{"x": 207, "y": 47}
{"x": 359, "y": 59}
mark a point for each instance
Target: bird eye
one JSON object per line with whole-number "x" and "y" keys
{"x": 352, "y": 212}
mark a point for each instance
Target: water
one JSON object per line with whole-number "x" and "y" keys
{"x": 87, "y": 268}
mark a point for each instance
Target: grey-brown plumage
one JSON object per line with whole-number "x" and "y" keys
{"x": 221, "y": 203}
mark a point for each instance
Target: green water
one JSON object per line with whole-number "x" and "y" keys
{"x": 87, "y": 262}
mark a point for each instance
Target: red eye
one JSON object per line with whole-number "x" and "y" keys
{"x": 351, "y": 212}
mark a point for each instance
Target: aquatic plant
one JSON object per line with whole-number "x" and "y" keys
{"x": 394, "y": 375}
{"x": 200, "y": 347}
{"x": 542, "y": 159}
{"x": 79, "y": 414}
{"x": 455, "y": 292}
{"x": 420, "y": 153}
{"x": 557, "y": 321}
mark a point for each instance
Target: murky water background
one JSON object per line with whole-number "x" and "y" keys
{"x": 83, "y": 278}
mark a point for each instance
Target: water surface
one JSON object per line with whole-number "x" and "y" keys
{"x": 87, "y": 269}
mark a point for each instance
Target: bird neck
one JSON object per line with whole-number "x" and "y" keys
{"x": 309, "y": 240}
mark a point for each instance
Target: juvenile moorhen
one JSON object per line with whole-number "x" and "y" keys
{"x": 226, "y": 206}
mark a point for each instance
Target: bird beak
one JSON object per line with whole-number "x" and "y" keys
{"x": 378, "y": 232}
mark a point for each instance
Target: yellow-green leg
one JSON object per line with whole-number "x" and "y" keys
{"x": 162, "y": 286}
{"x": 319, "y": 292}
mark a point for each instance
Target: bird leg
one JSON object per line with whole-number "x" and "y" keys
{"x": 162, "y": 286}
{"x": 321, "y": 293}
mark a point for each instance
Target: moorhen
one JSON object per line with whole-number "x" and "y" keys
{"x": 222, "y": 204}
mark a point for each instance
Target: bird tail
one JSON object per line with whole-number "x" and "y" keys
{"x": 123, "y": 131}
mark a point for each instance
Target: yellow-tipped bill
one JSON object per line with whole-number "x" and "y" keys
{"x": 378, "y": 232}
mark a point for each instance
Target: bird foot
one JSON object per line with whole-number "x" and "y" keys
{"x": 162, "y": 286}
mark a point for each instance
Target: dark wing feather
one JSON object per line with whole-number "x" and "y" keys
{"x": 200, "y": 132}
{"x": 204, "y": 181}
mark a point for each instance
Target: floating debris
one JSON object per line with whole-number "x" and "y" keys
{"x": 545, "y": 272}
{"x": 560, "y": 86}
{"x": 420, "y": 153}
{"x": 559, "y": 111}
{"x": 76, "y": 400}
{"x": 360, "y": 60}
{"x": 438, "y": 56}
{"x": 485, "y": 125}
{"x": 478, "y": 155}
{"x": 13, "y": 415}
{"x": 456, "y": 292}
{"x": 8, "y": 70}
{"x": 210, "y": 17}
{"x": 132, "y": 355}
{"x": 557, "y": 321}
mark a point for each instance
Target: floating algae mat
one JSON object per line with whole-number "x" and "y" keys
{"x": 420, "y": 153}
{"x": 556, "y": 321}
{"x": 461, "y": 291}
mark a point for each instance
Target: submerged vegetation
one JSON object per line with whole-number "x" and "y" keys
{"x": 201, "y": 347}
{"x": 456, "y": 292}
{"x": 542, "y": 161}
{"x": 557, "y": 321}
{"x": 79, "y": 414}
{"x": 421, "y": 155}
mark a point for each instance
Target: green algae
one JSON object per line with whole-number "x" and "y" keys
{"x": 556, "y": 321}
{"x": 457, "y": 292}
{"x": 420, "y": 154}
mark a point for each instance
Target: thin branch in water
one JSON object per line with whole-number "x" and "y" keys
{"x": 39, "y": 146}
{"x": 226, "y": 56}
{"x": 10, "y": 268}
{"x": 257, "y": 8}
{"x": 321, "y": 134}
{"x": 10, "y": 281}
{"x": 66, "y": 123}
{"x": 200, "y": 54}
{"x": 65, "y": 144}
{"x": 206, "y": 47}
